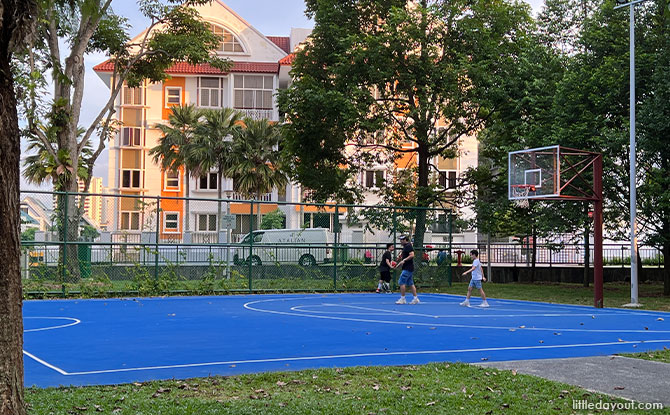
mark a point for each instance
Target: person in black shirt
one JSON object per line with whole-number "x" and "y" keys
{"x": 407, "y": 263}
{"x": 385, "y": 270}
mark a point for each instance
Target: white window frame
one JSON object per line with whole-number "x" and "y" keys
{"x": 168, "y": 188}
{"x": 176, "y": 221}
{"x": 221, "y": 48}
{"x": 209, "y": 176}
{"x": 130, "y": 214}
{"x": 207, "y": 222}
{"x": 447, "y": 180}
{"x": 255, "y": 90}
{"x": 169, "y": 104}
{"x": 375, "y": 185}
{"x": 219, "y": 90}
{"x": 138, "y": 91}
{"x": 138, "y": 130}
{"x": 131, "y": 178}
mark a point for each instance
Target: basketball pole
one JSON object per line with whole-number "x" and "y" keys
{"x": 598, "y": 232}
{"x": 633, "y": 182}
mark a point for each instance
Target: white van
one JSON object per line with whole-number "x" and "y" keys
{"x": 307, "y": 247}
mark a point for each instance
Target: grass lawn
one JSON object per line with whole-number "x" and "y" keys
{"x": 429, "y": 389}
{"x": 658, "y": 355}
{"x": 615, "y": 294}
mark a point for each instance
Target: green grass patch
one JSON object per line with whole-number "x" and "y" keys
{"x": 437, "y": 388}
{"x": 615, "y": 294}
{"x": 656, "y": 356}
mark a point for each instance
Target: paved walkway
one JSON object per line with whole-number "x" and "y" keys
{"x": 634, "y": 379}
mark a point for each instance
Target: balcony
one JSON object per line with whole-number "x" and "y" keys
{"x": 258, "y": 114}
{"x": 266, "y": 197}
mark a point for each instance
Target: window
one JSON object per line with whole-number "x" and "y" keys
{"x": 130, "y": 221}
{"x": 208, "y": 182}
{"x": 130, "y": 179}
{"x": 253, "y": 91}
{"x": 132, "y": 96}
{"x": 131, "y": 137}
{"x": 229, "y": 43}
{"x": 172, "y": 96}
{"x": 374, "y": 179}
{"x": 171, "y": 180}
{"x": 170, "y": 222}
{"x": 447, "y": 179}
{"x": 210, "y": 92}
{"x": 207, "y": 223}
{"x": 318, "y": 220}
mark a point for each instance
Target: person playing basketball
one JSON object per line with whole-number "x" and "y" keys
{"x": 385, "y": 270}
{"x": 407, "y": 264}
{"x": 476, "y": 281}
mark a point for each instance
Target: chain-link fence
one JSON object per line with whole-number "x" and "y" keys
{"x": 133, "y": 244}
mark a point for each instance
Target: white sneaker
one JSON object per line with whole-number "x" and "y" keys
{"x": 415, "y": 300}
{"x": 484, "y": 304}
{"x": 466, "y": 303}
{"x": 401, "y": 301}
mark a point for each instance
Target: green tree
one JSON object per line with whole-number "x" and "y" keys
{"x": 211, "y": 148}
{"x": 67, "y": 30}
{"x": 256, "y": 159}
{"x": 377, "y": 75}
{"x": 17, "y": 24}
{"x": 273, "y": 220}
{"x": 175, "y": 138}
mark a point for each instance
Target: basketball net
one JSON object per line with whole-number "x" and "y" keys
{"x": 522, "y": 193}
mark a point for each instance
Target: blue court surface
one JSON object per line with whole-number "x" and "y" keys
{"x": 89, "y": 342}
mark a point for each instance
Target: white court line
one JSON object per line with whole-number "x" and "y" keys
{"x": 340, "y": 356}
{"x": 74, "y": 323}
{"x": 568, "y": 306}
{"x": 434, "y": 324}
{"x": 49, "y": 365}
{"x": 383, "y": 312}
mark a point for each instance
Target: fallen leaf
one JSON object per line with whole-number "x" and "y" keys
{"x": 522, "y": 327}
{"x": 259, "y": 391}
{"x": 405, "y": 388}
{"x": 514, "y": 372}
{"x": 253, "y": 397}
{"x": 619, "y": 388}
{"x": 485, "y": 358}
{"x": 137, "y": 384}
{"x": 505, "y": 405}
{"x": 430, "y": 403}
{"x": 646, "y": 328}
{"x": 512, "y": 329}
{"x": 660, "y": 319}
{"x": 593, "y": 316}
{"x": 490, "y": 388}
{"x": 81, "y": 408}
{"x": 282, "y": 404}
{"x": 375, "y": 387}
{"x": 233, "y": 365}
{"x": 314, "y": 376}
{"x": 557, "y": 334}
{"x": 280, "y": 383}
{"x": 433, "y": 328}
{"x": 620, "y": 340}
{"x": 409, "y": 327}
{"x": 541, "y": 341}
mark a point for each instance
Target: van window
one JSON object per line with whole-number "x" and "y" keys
{"x": 258, "y": 237}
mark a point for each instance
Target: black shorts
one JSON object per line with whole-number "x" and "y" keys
{"x": 385, "y": 276}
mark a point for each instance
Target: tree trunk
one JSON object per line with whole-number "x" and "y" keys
{"x": 666, "y": 271}
{"x": 219, "y": 219}
{"x": 587, "y": 249}
{"x": 73, "y": 217}
{"x": 11, "y": 321}
{"x": 422, "y": 202}
{"x": 187, "y": 203}
{"x": 534, "y": 257}
{"x": 640, "y": 270}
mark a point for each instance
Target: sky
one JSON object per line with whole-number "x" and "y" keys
{"x": 270, "y": 17}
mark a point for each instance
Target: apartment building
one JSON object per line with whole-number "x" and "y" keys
{"x": 260, "y": 67}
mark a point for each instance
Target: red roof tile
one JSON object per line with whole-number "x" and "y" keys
{"x": 287, "y": 60}
{"x": 284, "y": 43}
{"x": 206, "y": 69}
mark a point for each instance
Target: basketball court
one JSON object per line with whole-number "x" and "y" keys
{"x": 110, "y": 341}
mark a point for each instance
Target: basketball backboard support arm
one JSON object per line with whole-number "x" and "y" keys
{"x": 557, "y": 173}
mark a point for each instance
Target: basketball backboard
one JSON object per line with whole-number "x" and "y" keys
{"x": 534, "y": 173}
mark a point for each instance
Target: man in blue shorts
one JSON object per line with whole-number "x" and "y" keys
{"x": 406, "y": 261}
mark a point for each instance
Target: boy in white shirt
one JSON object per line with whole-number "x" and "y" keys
{"x": 476, "y": 281}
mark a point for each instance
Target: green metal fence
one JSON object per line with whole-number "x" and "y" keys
{"x": 143, "y": 245}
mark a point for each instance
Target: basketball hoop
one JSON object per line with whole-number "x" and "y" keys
{"x": 520, "y": 194}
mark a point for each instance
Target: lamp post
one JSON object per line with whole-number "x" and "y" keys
{"x": 633, "y": 191}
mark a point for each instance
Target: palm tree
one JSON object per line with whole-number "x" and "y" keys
{"x": 211, "y": 149}
{"x": 172, "y": 146}
{"x": 256, "y": 163}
